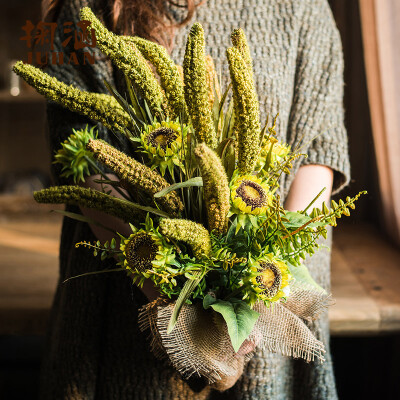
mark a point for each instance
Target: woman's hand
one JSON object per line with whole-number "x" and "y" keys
{"x": 114, "y": 223}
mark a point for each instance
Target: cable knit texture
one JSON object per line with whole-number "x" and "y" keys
{"x": 95, "y": 349}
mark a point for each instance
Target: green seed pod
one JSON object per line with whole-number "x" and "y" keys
{"x": 216, "y": 188}
{"x": 90, "y": 198}
{"x": 97, "y": 106}
{"x": 334, "y": 204}
{"x": 129, "y": 60}
{"x": 134, "y": 175}
{"x": 194, "y": 234}
{"x": 247, "y": 113}
{"x": 325, "y": 209}
{"x": 239, "y": 40}
{"x": 196, "y": 90}
{"x": 167, "y": 70}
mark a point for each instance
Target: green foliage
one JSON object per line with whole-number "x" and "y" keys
{"x": 247, "y": 113}
{"x": 192, "y": 233}
{"x": 329, "y": 215}
{"x": 166, "y": 70}
{"x": 239, "y": 317}
{"x": 73, "y": 155}
{"x": 134, "y": 175}
{"x": 198, "y": 181}
{"x": 302, "y": 275}
{"x": 184, "y": 295}
{"x": 90, "y": 198}
{"x": 105, "y": 250}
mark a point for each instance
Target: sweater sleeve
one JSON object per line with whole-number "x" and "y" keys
{"x": 80, "y": 73}
{"x": 317, "y": 117}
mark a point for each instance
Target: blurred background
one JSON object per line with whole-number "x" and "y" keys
{"x": 365, "y": 322}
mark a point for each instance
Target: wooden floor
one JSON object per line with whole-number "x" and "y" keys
{"x": 365, "y": 276}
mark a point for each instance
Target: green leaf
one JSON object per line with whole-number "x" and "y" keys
{"x": 82, "y": 218}
{"x": 122, "y": 102}
{"x": 269, "y": 157}
{"x": 198, "y": 181}
{"x": 232, "y": 231}
{"x": 215, "y": 108}
{"x": 301, "y": 274}
{"x": 185, "y": 293}
{"x": 208, "y": 300}
{"x": 144, "y": 208}
{"x": 95, "y": 273}
{"x": 295, "y": 219}
{"x": 134, "y": 101}
{"x": 223, "y": 99}
{"x": 239, "y": 317}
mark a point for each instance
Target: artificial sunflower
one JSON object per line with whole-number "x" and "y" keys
{"x": 143, "y": 251}
{"x": 278, "y": 152}
{"x": 250, "y": 195}
{"x": 269, "y": 278}
{"x": 73, "y": 155}
{"x": 162, "y": 142}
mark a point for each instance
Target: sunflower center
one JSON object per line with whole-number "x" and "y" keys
{"x": 269, "y": 279}
{"x": 252, "y": 194}
{"x": 162, "y": 137}
{"x": 140, "y": 251}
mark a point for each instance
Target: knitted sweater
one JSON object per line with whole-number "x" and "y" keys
{"x": 95, "y": 349}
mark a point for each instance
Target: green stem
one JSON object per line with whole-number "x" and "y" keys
{"x": 244, "y": 266}
{"x": 229, "y": 277}
{"x": 313, "y": 201}
{"x": 309, "y": 244}
{"x": 95, "y": 272}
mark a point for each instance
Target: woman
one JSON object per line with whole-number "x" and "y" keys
{"x": 95, "y": 348}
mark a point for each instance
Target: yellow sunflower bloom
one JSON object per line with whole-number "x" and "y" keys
{"x": 143, "y": 251}
{"x": 250, "y": 195}
{"x": 278, "y": 153}
{"x": 162, "y": 142}
{"x": 270, "y": 278}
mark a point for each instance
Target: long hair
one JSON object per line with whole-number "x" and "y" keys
{"x": 148, "y": 19}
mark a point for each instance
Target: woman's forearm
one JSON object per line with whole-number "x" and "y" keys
{"x": 308, "y": 182}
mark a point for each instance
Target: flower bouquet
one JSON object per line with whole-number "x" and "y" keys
{"x": 199, "y": 188}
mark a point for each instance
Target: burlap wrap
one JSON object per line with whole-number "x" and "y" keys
{"x": 200, "y": 344}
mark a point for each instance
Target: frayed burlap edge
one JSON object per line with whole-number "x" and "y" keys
{"x": 148, "y": 315}
{"x": 200, "y": 343}
{"x": 280, "y": 331}
{"x": 307, "y": 302}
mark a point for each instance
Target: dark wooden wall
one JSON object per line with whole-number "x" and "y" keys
{"x": 358, "y": 124}
{"x": 23, "y": 148}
